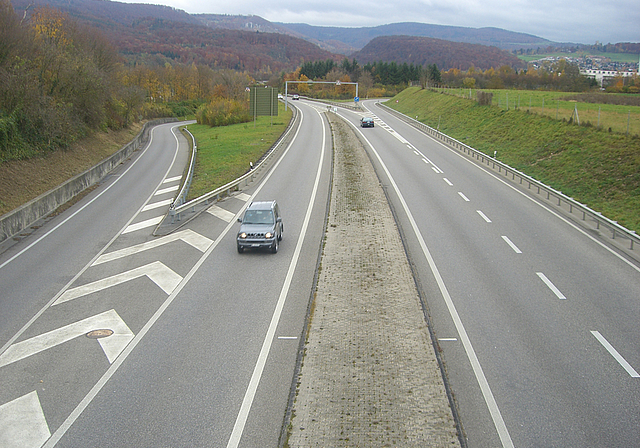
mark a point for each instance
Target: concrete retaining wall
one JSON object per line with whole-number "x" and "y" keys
{"x": 26, "y": 215}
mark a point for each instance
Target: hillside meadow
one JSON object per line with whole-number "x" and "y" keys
{"x": 595, "y": 167}
{"x": 610, "y": 112}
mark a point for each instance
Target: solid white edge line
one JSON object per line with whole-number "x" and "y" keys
{"x": 551, "y": 286}
{"x": 243, "y": 414}
{"x": 492, "y": 405}
{"x": 618, "y": 357}
{"x": 64, "y": 427}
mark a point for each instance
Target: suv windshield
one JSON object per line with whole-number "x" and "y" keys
{"x": 258, "y": 217}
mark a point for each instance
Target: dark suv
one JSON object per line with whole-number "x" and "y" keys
{"x": 261, "y": 227}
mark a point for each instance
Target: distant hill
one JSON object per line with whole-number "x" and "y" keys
{"x": 160, "y": 34}
{"x": 356, "y": 38}
{"x": 445, "y": 54}
{"x": 257, "y": 23}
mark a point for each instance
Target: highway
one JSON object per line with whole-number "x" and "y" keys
{"x": 205, "y": 340}
{"x": 536, "y": 321}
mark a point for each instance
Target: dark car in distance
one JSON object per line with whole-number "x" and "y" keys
{"x": 366, "y": 122}
{"x": 261, "y": 227}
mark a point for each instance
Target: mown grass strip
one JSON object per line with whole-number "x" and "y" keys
{"x": 224, "y": 153}
{"x": 595, "y": 167}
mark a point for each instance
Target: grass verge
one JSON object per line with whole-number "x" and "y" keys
{"x": 224, "y": 152}
{"x": 24, "y": 180}
{"x": 597, "y": 168}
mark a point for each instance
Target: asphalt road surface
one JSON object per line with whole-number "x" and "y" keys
{"x": 201, "y": 334}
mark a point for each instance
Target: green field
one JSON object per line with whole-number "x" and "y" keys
{"x": 621, "y": 118}
{"x": 224, "y": 152}
{"x": 596, "y": 167}
{"x": 615, "y": 57}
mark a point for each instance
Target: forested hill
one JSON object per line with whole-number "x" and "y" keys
{"x": 445, "y": 54}
{"x": 159, "y": 34}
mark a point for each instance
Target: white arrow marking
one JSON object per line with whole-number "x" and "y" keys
{"x": 112, "y": 345}
{"x": 22, "y": 423}
{"x": 221, "y": 213}
{"x": 157, "y": 272}
{"x": 190, "y": 237}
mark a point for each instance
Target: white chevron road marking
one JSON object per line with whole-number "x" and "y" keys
{"x": 111, "y": 345}
{"x": 188, "y": 236}
{"x": 157, "y": 272}
{"x": 22, "y": 423}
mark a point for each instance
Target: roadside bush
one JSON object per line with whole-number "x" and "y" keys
{"x": 223, "y": 112}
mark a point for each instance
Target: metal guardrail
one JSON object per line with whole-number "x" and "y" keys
{"x": 182, "y": 196}
{"x": 355, "y": 106}
{"x": 615, "y": 229}
{"x": 177, "y": 209}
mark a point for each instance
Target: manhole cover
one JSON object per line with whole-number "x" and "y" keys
{"x": 97, "y": 334}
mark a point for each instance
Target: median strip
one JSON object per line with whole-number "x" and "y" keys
{"x": 369, "y": 376}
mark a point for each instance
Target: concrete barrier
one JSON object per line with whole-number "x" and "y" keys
{"x": 28, "y": 214}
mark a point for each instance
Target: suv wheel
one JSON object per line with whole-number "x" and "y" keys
{"x": 274, "y": 248}
{"x": 240, "y": 249}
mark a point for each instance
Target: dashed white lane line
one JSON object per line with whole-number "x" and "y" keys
{"x": 221, "y": 213}
{"x": 485, "y": 217}
{"x": 617, "y": 356}
{"x": 143, "y": 224}
{"x": 447, "y": 181}
{"x": 463, "y": 196}
{"x": 511, "y": 245}
{"x": 167, "y": 190}
{"x": 551, "y": 286}
{"x": 158, "y": 204}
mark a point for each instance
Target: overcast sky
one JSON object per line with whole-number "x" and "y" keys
{"x": 579, "y": 21}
